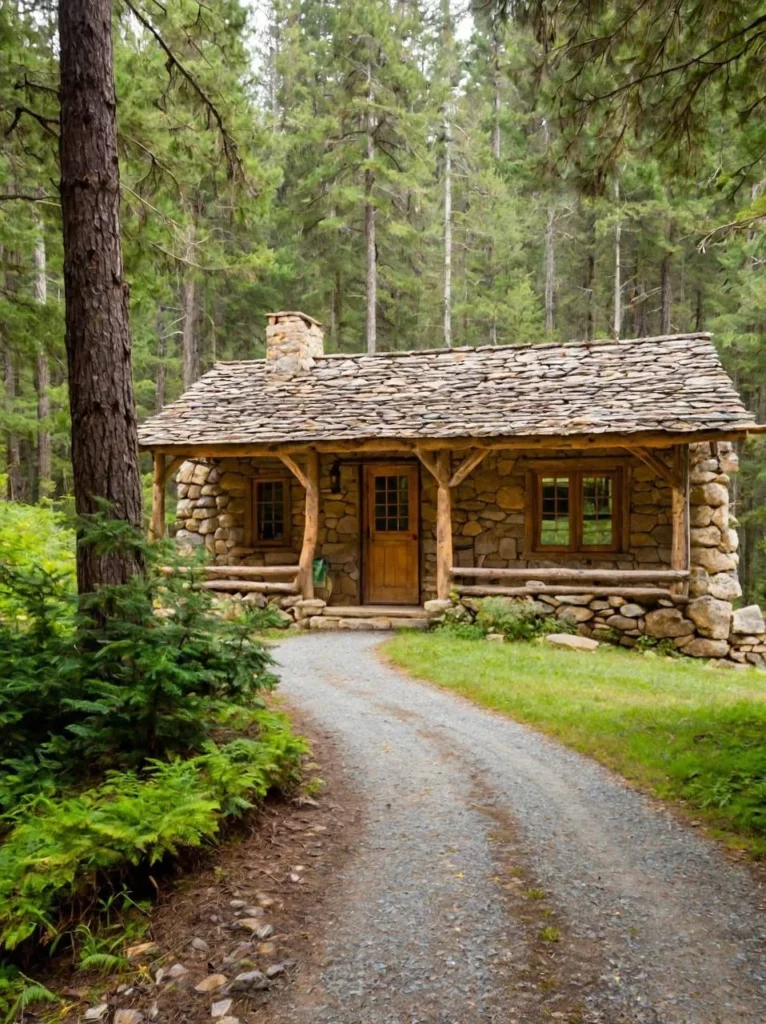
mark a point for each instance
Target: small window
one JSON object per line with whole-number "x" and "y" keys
{"x": 270, "y": 513}
{"x": 575, "y": 510}
{"x": 392, "y": 504}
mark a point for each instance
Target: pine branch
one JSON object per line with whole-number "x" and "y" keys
{"x": 233, "y": 162}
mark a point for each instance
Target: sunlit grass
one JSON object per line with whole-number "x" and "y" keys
{"x": 676, "y": 726}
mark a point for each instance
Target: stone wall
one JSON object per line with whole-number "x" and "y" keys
{"x": 211, "y": 510}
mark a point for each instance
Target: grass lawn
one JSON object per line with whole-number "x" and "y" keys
{"x": 676, "y": 727}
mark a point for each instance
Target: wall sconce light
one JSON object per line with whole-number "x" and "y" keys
{"x": 335, "y": 478}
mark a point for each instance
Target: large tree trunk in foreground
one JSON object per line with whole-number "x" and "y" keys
{"x": 104, "y": 441}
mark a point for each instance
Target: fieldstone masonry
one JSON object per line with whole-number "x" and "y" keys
{"x": 489, "y": 510}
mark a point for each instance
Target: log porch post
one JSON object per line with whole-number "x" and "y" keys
{"x": 443, "y": 525}
{"x": 157, "y": 527}
{"x": 679, "y": 545}
{"x": 311, "y": 526}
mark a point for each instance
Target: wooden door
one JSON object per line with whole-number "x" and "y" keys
{"x": 391, "y": 549}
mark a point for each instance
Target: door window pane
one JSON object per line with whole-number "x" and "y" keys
{"x": 392, "y": 504}
{"x": 270, "y": 510}
{"x": 597, "y": 517}
{"x": 555, "y": 523}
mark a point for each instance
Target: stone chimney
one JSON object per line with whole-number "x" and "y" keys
{"x": 293, "y": 342}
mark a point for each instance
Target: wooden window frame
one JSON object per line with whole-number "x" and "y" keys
{"x": 576, "y": 470}
{"x": 251, "y": 512}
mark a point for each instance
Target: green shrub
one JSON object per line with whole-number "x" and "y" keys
{"x": 132, "y": 672}
{"x": 62, "y": 849}
{"x": 516, "y": 620}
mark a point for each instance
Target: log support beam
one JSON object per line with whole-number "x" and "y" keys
{"x": 443, "y": 466}
{"x": 157, "y": 527}
{"x": 311, "y": 526}
{"x": 680, "y": 520}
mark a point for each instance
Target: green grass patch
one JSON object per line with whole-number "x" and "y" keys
{"x": 679, "y": 728}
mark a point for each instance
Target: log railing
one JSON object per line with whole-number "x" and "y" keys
{"x": 244, "y": 578}
{"x": 639, "y": 584}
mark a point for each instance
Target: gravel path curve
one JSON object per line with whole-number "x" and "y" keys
{"x": 482, "y": 841}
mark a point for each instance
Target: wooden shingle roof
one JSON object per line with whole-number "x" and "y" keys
{"x": 672, "y": 384}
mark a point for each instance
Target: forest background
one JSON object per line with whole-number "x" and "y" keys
{"x": 413, "y": 174}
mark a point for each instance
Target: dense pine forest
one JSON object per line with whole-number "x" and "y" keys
{"x": 413, "y": 174}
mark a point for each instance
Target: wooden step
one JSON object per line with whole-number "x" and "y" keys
{"x": 379, "y": 611}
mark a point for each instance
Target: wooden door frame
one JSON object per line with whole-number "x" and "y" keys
{"x": 364, "y": 538}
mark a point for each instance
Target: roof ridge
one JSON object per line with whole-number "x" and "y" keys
{"x": 572, "y": 343}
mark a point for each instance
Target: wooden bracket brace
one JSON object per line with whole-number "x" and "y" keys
{"x": 429, "y": 461}
{"x": 658, "y": 466}
{"x": 295, "y": 469}
{"x": 469, "y": 463}
{"x": 173, "y": 465}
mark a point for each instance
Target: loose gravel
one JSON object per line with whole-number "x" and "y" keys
{"x": 502, "y": 877}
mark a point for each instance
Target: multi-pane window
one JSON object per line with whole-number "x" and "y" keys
{"x": 554, "y": 508}
{"x": 576, "y": 510}
{"x": 597, "y": 511}
{"x": 270, "y": 512}
{"x": 392, "y": 504}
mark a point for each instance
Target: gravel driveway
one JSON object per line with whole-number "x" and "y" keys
{"x": 498, "y": 876}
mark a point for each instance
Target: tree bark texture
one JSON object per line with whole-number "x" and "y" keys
{"x": 43, "y": 379}
{"x": 369, "y": 223}
{"x": 104, "y": 439}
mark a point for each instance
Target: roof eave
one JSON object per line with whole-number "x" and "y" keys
{"x": 532, "y": 442}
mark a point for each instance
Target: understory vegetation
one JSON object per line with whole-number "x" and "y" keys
{"x": 501, "y": 617}
{"x": 132, "y": 726}
{"x": 680, "y": 729}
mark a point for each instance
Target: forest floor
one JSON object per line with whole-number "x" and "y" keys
{"x": 456, "y": 867}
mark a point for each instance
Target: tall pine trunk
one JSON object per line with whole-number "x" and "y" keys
{"x": 159, "y": 395}
{"x": 496, "y": 139}
{"x": 447, "y": 230}
{"x": 617, "y": 264}
{"x": 550, "y": 271}
{"x": 189, "y": 335}
{"x": 369, "y": 222}
{"x": 13, "y": 451}
{"x": 43, "y": 378}
{"x": 666, "y": 289}
{"x": 101, "y": 401}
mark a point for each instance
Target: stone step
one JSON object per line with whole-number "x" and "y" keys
{"x": 376, "y": 611}
{"x": 372, "y": 622}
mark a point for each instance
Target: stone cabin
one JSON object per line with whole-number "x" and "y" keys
{"x": 592, "y": 478}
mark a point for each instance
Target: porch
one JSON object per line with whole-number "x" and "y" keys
{"x": 399, "y": 526}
